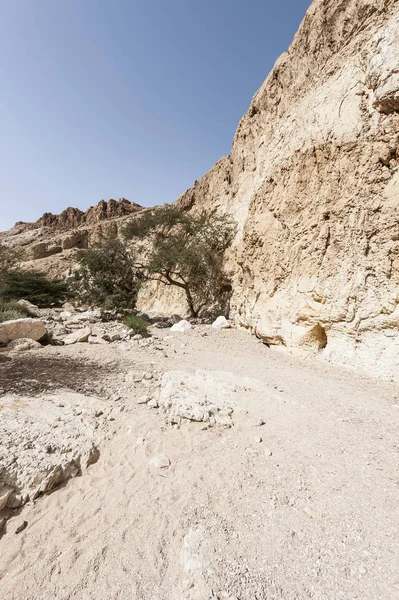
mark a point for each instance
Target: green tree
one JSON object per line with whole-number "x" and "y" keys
{"x": 184, "y": 250}
{"x": 106, "y": 276}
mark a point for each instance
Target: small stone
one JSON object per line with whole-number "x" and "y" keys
{"x": 140, "y": 441}
{"x": 143, "y": 399}
{"x": 258, "y": 439}
{"x": 221, "y": 323}
{"x": 181, "y": 326}
{"x": 161, "y": 461}
{"x": 23, "y": 525}
{"x": 5, "y": 493}
{"x": 260, "y": 422}
{"x": 153, "y": 403}
{"x": 268, "y": 452}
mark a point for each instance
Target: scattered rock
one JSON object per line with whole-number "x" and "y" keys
{"x": 258, "y": 439}
{"x": 22, "y": 344}
{"x": 259, "y": 423}
{"x": 81, "y": 335}
{"x": 161, "y": 461}
{"x": 204, "y": 397}
{"x": 181, "y": 326}
{"x": 221, "y": 323}
{"x": 23, "y": 525}
{"x": 153, "y": 403}
{"x": 94, "y": 339}
{"x": 143, "y": 399}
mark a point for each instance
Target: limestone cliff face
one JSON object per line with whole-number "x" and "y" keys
{"x": 313, "y": 180}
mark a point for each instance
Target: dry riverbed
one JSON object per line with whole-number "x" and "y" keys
{"x": 225, "y": 470}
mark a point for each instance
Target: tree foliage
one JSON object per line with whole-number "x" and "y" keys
{"x": 36, "y": 287}
{"x": 106, "y": 276}
{"x": 33, "y": 286}
{"x": 184, "y": 250}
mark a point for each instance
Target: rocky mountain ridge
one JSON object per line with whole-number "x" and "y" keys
{"x": 50, "y": 243}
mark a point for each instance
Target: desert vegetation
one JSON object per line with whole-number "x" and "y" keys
{"x": 17, "y": 284}
{"x": 184, "y": 250}
{"x": 164, "y": 245}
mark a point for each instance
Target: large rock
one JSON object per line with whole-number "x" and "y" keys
{"x": 44, "y": 441}
{"x": 33, "y": 329}
{"x": 203, "y": 397}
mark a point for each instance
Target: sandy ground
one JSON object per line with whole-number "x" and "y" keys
{"x": 309, "y": 512}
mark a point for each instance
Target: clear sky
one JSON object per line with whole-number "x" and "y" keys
{"x": 133, "y": 98}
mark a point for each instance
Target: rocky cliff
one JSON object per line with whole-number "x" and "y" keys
{"x": 313, "y": 180}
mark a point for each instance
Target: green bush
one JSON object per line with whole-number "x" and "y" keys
{"x": 138, "y": 324}
{"x": 10, "y": 310}
{"x": 105, "y": 277}
{"x": 33, "y": 286}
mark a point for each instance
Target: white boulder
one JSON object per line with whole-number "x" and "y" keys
{"x": 181, "y": 326}
{"x": 33, "y": 329}
{"x": 221, "y": 323}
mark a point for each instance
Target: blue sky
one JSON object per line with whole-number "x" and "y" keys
{"x": 134, "y": 98}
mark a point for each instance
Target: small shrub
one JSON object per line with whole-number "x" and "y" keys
{"x": 138, "y": 324}
{"x": 11, "y": 310}
{"x": 33, "y": 286}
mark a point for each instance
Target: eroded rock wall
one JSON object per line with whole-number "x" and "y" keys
{"x": 313, "y": 181}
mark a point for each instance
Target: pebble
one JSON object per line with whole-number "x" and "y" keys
{"x": 23, "y": 525}
{"x": 161, "y": 461}
{"x": 258, "y": 439}
{"x": 143, "y": 399}
{"x": 268, "y": 452}
{"x": 140, "y": 441}
{"x": 260, "y": 422}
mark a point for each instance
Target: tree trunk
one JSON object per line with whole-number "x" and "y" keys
{"x": 190, "y": 301}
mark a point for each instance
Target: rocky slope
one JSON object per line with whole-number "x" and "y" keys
{"x": 313, "y": 181}
{"x": 51, "y": 242}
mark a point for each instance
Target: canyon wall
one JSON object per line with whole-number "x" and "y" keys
{"x": 313, "y": 181}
